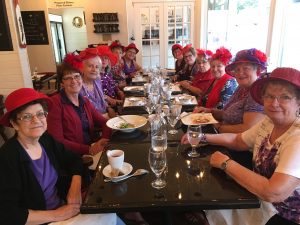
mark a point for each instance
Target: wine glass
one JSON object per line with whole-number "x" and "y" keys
{"x": 158, "y": 162}
{"x": 194, "y": 135}
{"x": 173, "y": 117}
{"x": 159, "y": 140}
{"x": 149, "y": 105}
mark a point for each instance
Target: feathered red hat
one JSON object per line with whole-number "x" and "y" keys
{"x": 222, "y": 54}
{"x": 104, "y": 50}
{"x": 203, "y": 52}
{"x": 74, "y": 61}
{"x": 88, "y": 53}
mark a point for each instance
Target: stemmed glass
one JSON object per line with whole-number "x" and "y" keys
{"x": 173, "y": 117}
{"x": 149, "y": 105}
{"x": 158, "y": 162}
{"x": 194, "y": 134}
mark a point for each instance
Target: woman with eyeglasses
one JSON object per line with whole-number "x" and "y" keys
{"x": 130, "y": 68}
{"x": 275, "y": 142}
{"x": 73, "y": 118}
{"x": 241, "y": 112}
{"x": 178, "y": 56}
{"x": 40, "y": 181}
{"x": 202, "y": 78}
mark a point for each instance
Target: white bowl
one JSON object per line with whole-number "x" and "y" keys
{"x": 137, "y": 121}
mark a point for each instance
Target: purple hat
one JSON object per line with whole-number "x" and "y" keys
{"x": 282, "y": 74}
{"x": 248, "y": 56}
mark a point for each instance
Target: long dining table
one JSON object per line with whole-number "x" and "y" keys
{"x": 192, "y": 184}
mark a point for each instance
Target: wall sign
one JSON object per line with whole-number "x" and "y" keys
{"x": 20, "y": 27}
{"x": 5, "y": 38}
{"x": 35, "y": 27}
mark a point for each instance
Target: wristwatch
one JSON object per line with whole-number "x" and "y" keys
{"x": 224, "y": 164}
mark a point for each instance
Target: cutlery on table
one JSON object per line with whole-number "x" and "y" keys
{"x": 138, "y": 172}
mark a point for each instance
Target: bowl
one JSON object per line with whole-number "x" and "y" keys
{"x": 117, "y": 123}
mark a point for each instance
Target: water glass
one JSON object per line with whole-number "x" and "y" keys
{"x": 157, "y": 162}
{"x": 159, "y": 141}
{"x": 173, "y": 117}
{"x": 194, "y": 135}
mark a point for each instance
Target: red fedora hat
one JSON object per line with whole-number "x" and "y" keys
{"x": 19, "y": 98}
{"x": 131, "y": 46}
{"x": 282, "y": 73}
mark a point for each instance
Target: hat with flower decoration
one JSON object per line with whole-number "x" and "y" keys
{"x": 248, "y": 56}
{"x": 222, "y": 54}
{"x": 104, "y": 50}
{"x": 203, "y": 52}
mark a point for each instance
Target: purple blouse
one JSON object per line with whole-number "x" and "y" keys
{"x": 240, "y": 102}
{"x": 109, "y": 85}
{"x": 128, "y": 70}
{"x": 47, "y": 177}
{"x": 96, "y": 96}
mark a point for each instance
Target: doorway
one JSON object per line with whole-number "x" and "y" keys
{"x": 157, "y": 26}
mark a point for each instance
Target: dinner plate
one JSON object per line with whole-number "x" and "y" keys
{"x": 126, "y": 169}
{"x": 134, "y": 88}
{"x": 134, "y": 101}
{"x": 116, "y": 122}
{"x": 199, "y": 119}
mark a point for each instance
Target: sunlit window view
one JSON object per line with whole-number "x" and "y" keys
{"x": 237, "y": 24}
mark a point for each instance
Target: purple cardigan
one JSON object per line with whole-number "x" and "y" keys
{"x": 65, "y": 125}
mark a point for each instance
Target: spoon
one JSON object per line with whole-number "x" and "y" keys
{"x": 117, "y": 179}
{"x": 127, "y": 123}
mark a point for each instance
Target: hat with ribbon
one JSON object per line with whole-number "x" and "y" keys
{"x": 282, "y": 74}
{"x": 131, "y": 46}
{"x": 104, "y": 50}
{"x": 116, "y": 44}
{"x": 206, "y": 53}
{"x": 176, "y": 46}
{"x": 248, "y": 56}
{"x": 222, "y": 54}
{"x": 19, "y": 98}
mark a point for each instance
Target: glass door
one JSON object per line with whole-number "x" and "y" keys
{"x": 158, "y": 26}
{"x": 58, "y": 41}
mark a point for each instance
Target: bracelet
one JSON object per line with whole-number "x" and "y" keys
{"x": 203, "y": 138}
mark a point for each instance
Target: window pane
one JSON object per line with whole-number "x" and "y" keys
{"x": 145, "y": 15}
{"x": 179, "y": 15}
{"x": 186, "y": 14}
{"x": 154, "y": 12}
{"x": 171, "y": 14}
{"x": 233, "y": 23}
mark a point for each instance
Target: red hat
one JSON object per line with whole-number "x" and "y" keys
{"x": 249, "y": 56}
{"x": 74, "y": 61}
{"x": 186, "y": 48}
{"x": 176, "y": 46}
{"x": 19, "y": 98}
{"x": 116, "y": 44}
{"x": 88, "y": 53}
{"x": 131, "y": 45}
{"x": 282, "y": 73}
{"x": 222, "y": 54}
{"x": 206, "y": 53}
{"x": 104, "y": 50}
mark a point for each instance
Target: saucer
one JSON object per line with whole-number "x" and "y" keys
{"x": 126, "y": 169}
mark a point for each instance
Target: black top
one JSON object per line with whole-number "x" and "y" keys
{"x": 19, "y": 189}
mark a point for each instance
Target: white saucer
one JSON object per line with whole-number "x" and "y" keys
{"x": 126, "y": 169}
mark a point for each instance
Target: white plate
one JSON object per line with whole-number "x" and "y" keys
{"x": 134, "y": 101}
{"x": 126, "y": 169}
{"x": 137, "y": 121}
{"x": 199, "y": 119}
{"x": 175, "y": 88}
{"x": 186, "y": 99}
{"x": 134, "y": 88}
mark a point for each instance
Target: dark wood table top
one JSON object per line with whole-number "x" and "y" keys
{"x": 192, "y": 184}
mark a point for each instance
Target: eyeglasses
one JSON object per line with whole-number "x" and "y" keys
{"x": 76, "y": 77}
{"x": 242, "y": 69}
{"x": 283, "y": 99}
{"x": 28, "y": 117}
{"x": 188, "y": 56}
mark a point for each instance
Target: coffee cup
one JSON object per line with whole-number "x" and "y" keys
{"x": 115, "y": 160}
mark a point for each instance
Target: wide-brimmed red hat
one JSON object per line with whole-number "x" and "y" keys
{"x": 88, "y": 53}
{"x": 176, "y": 46}
{"x": 222, "y": 54}
{"x": 104, "y": 50}
{"x": 282, "y": 73}
{"x": 19, "y": 98}
{"x": 116, "y": 44}
{"x": 248, "y": 56}
{"x": 131, "y": 46}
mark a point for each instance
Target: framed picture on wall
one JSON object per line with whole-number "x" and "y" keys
{"x": 5, "y": 37}
{"x": 20, "y": 27}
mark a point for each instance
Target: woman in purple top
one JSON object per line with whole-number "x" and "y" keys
{"x": 131, "y": 68}
{"x": 241, "y": 112}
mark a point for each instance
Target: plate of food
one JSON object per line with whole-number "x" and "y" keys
{"x": 126, "y": 123}
{"x": 198, "y": 119}
{"x": 134, "y": 88}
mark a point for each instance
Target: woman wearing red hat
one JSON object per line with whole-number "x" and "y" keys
{"x": 73, "y": 118}
{"x": 177, "y": 53}
{"x": 201, "y": 80}
{"x": 33, "y": 167}
{"x": 223, "y": 85}
{"x": 114, "y": 96}
{"x": 241, "y": 112}
{"x": 131, "y": 68}
{"x": 117, "y": 69}
{"x": 275, "y": 142}
{"x": 189, "y": 56}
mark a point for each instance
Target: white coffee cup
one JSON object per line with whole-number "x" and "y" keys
{"x": 115, "y": 160}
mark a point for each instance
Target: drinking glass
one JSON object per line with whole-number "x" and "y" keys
{"x": 173, "y": 117}
{"x": 158, "y": 162}
{"x": 194, "y": 135}
{"x": 149, "y": 105}
{"x": 159, "y": 141}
